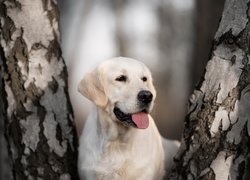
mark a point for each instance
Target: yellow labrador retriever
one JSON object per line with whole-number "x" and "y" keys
{"x": 120, "y": 140}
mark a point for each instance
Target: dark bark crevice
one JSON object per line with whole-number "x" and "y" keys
{"x": 6, "y": 170}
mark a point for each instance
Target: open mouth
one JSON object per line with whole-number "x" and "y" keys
{"x": 139, "y": 119}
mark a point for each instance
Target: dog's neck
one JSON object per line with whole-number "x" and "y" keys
{"x": 112, "y": 130}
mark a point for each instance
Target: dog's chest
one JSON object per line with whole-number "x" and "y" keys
{"x": 139, "y": 156}
{"x": 125, "y": 161}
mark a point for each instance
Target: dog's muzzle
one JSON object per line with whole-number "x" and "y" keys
{"x": 124, "y": 118}
{"x": 139, "y": 120}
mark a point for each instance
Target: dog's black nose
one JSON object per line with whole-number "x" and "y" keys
{"x": 145, "y": 96}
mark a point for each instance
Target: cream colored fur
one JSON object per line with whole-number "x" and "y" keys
{"x": 108, "y": 150}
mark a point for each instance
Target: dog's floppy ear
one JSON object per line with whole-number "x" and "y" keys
{"x": 92, "y": 88}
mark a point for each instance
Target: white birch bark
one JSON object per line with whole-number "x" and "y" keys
{"x": 215, "y": 143}
{"x": 39, "y": 118}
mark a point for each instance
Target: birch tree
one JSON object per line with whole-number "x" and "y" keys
{"x": 35, "y": 108}
{"x": 215, "y": 143}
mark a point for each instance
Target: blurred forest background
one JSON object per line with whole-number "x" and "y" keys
{"x": 173, "y": 37}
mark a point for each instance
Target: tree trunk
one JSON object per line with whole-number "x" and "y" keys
{"x": 36, "y": 108}
{"x": 215, "y": 143}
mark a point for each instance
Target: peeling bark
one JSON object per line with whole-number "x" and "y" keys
{"x": 216, "y": 143}
{"x": 37, "y": 111}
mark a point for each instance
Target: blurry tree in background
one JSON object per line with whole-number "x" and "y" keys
{"x": 36, "y": 113}
{"x": 216, "y": 143}
{"x": 208, "y": 14}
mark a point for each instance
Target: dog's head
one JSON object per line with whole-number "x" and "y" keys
{"x": 123, "y": 87}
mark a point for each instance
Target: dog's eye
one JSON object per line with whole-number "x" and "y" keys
{"x": 144, "y": 79}
{"x": 121, "y": 78}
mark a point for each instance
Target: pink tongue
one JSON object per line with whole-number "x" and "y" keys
{"x": 141, "y": 120}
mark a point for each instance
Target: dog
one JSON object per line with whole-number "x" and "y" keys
{"x": 120, "y": 140}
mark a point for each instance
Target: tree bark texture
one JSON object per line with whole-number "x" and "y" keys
{"x": 5, "y": 161}
{"x": 215, "y": 143}
{"x": 37, "y": 112}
